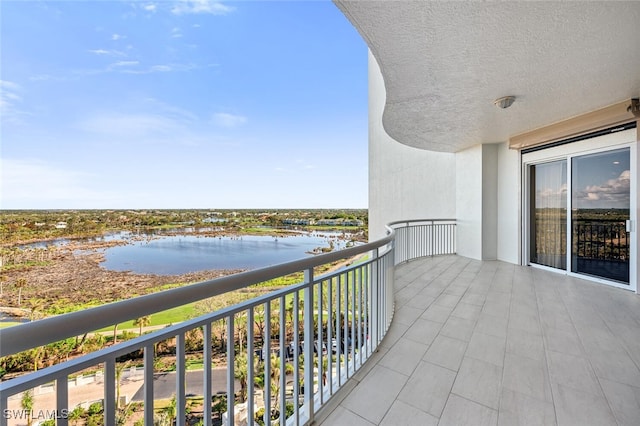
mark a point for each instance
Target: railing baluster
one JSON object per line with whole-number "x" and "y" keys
{"x": 266, "y": 354}
{"x": 208, "y": 375}
{"x": 308, "y": 347}
{"x": 231, "y": 367}
{"x": 181, "y": 401}
{"x": 296, "y": 356}
{"x": 148, "y": 384}
{"x": 339, "y": 350}
{"x": 250, "y": 367}
{"x": 283, "y": 347}
{"x": 330, "y": 333}
{"x": 111, "y": 404}
{"x": 62, "y": 400}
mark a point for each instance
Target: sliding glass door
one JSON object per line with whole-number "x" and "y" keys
{"x": 600, "y": 211}
{"x": 580, "y": 204}
{"x": 548, "y": 230}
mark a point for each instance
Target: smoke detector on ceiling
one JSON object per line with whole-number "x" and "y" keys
{"x": 504, "y": 102}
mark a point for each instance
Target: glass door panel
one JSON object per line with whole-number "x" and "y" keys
{"x": 600, "y": 203}
{"x": 548, "y": 215}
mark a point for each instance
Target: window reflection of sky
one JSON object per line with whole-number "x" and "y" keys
{"x": 601, "y": 180}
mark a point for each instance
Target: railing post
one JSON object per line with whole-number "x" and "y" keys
{"x": 62, "y": 399}
{"x": 110, "y": 399}
{"x": 231, "y": 368}
{"x": 181, "y": 401}
{"x": 208, "y": 375}
{"x": 308, "y": 345}
{"x": 148, "y": 384}
{"x": 375, "y": 309}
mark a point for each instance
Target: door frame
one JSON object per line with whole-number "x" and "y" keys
{"x": 590, "y": 145}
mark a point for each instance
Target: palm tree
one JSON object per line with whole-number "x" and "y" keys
{"x": 171, "y": 410}
{"x": 20, "y": 284}
{"x": 241, "y": 372}
{"x": 27, "y": 404}
{"x": 142, "y": 322}
{"x": 76, "y": 414}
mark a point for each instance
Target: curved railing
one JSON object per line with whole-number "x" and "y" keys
{"x": 345, "y": 313}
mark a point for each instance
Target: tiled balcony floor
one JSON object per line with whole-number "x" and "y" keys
{"x": 486, "y": 343}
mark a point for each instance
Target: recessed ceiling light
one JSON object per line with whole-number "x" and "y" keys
{"x": 504, "y": 102}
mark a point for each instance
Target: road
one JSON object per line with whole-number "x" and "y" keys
{"x": 164, "y": 384}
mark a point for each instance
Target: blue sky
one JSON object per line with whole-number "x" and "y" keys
{"x": 181, "y": 104}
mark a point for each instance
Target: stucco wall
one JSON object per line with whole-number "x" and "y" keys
{"x": 404, "y": 182}
{"x": 469, "y": 202}
{"x": 509, "y": 204}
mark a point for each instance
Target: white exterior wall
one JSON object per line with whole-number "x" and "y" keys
{"x": 404, "y": 182}
{"x": 509, "y": 189}
{"x": 469, "y": 202}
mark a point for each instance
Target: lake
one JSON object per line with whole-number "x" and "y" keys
{"x": 179, "y": 254}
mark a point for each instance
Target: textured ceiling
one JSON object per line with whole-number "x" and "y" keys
{"x": 444, "y": 63}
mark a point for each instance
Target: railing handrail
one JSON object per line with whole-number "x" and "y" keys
{"x": 53, "y": 329}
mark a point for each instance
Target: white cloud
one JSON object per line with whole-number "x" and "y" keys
{"x": 224, "y": 119}
{"x": 126, "y": 126}
{"x": 176, "y": 33}
{"x": 29, "y": 183}
{"x": 10, "y": 100}
{"x": 116, "y": 37}
{"x": 212, "y": 7}
{"x": 151, "y": 7}
{"x": 125, "y": 64}
{"x": 612, "y": 193}
{"x": 105, "y": 52}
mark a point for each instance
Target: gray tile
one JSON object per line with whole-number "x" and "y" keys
{"x": 404, "y": 356}
{"x": 615, "y": 365}
{"x": 407, "y": 315}
{"x": 487, "y": 348}
{"x": 372, "y": 401}
{"x": 423, "y": 331}
{"x": 624, "y": 401}
{"x": 517, "y": 409}
{"x": 447, "y": 300}
{"x": 573, "y": 372}
{"x": 527, "y": 376}
{"x": 462, "y": 412}
{"x": 566, "y": 342}
{"x": 342, "y": 416}
{"x": 467, "y": 311}
{"x": 429, "y": 388}
{"x": 458, "y": 328}
{"x": 524, "y": 322}
{"x": 437, "y": 313}
{"x": 497, "y": 308}
{"x": 493, "y": 325}
{"x": 479, "y": 381}
{"x": 473, "y": 298}
{"x": 421, "y": 300}
{"x": 525, "y": 344}
{"x": 395, "y": 332}
{"x": 402, "y": 414}
{"x": 576, "y": 408}
{"x": 446, "y": 352}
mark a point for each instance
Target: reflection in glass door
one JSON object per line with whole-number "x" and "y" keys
{"x": 548, "y": 216}
{"x": 600, "y": 203}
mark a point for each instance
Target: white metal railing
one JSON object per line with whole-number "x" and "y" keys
{"x": 345, "y": 314}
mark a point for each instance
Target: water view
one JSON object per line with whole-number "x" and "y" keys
{"x": 174, "y": 255}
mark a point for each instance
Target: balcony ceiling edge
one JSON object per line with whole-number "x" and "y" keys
{"x": 444, "y": 64}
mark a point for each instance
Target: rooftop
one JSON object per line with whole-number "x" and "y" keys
{"x": 486, "y": 343}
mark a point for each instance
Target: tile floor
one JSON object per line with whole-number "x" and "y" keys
{"x": 490, "y": 343}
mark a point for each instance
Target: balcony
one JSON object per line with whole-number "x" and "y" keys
{"x": 406, "y": 337}
{"x": 486, "y": 343}
{"x": 303, "y": 344}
